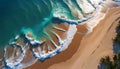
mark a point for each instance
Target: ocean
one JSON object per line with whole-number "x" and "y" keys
{"x": 31, "y": 24}
{"x": 16, "y": 14}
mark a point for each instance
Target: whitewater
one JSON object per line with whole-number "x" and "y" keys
{"x": 53, "y": 26}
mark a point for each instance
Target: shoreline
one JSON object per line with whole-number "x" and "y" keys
{"x": 88, "y": 54}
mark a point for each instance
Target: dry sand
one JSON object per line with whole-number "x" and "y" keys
{"x": 85, "y": 51}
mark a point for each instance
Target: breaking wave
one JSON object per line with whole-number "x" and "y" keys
{"x": 40, "y": 28}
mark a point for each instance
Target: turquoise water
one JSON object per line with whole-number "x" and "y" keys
{"x": 17, "y": 14}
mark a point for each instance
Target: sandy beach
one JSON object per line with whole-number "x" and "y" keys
{"x": 85, "y": 51}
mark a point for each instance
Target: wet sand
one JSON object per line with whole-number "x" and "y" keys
{"x": 85, "y": 51}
